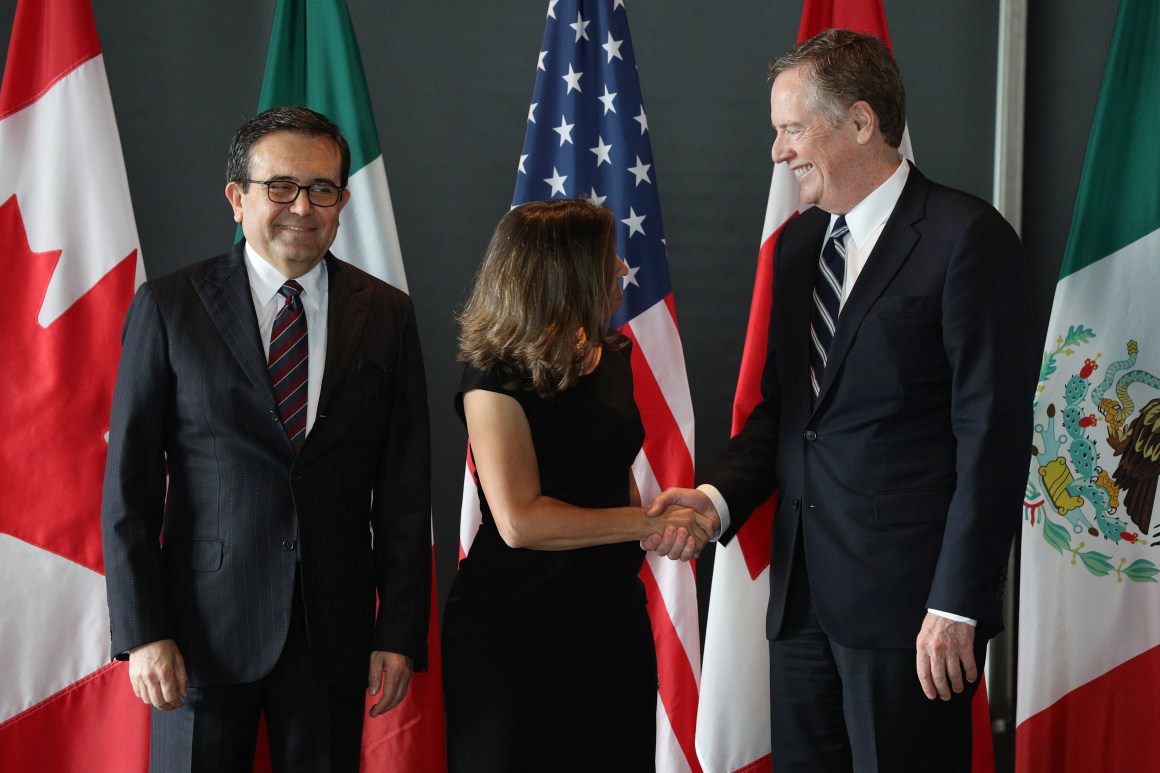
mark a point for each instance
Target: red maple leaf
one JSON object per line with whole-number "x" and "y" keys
{"x": 56, "y": 387}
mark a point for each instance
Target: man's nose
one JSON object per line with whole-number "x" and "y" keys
{"x": 301, "y": 205}
{"x": 779, "y": 152}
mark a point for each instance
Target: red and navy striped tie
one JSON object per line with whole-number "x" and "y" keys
{"x": 288, "y": 363}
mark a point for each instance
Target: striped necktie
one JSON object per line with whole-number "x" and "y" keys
{"x": 827, "y": 300}
{"x": 288, "y": 363}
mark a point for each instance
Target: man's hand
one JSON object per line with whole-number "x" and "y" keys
{"x": 677, "y": 544}
{"x": 946, "y": 653}
{"x": 157, "y": 673}
{"x": 389, "y": 676}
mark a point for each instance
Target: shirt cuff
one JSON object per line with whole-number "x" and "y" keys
{"x": 718, "y": 501}
{"x": 957, "y": 618}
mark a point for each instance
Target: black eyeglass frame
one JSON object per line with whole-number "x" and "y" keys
{"x": 310, "y": 191}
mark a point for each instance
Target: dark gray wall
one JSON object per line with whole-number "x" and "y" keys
{"x": 451, "y": 85}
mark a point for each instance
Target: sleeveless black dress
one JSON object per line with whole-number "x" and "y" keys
{"x": 548, "y": 656}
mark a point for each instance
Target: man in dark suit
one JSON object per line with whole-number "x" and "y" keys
{"x": 250, "y": 519}
{"x": 895, "y": 421}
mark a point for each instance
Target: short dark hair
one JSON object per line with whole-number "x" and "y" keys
{"x": 844, "y": 67}
{"x": 302, "y": 120}
{"x": 547, "y": 275}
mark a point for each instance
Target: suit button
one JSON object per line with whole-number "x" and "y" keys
{"x": 288, "y": 544}
{"x": 810, "y": 435}
{"x": 797, "y": 504}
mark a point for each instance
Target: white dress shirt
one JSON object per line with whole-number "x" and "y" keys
{"x": 865, "y": 222}
{"x": 265, "y": 281}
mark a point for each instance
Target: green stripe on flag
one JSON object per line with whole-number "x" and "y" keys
{"x": 1119, "y": 192}
{"x": 314, "y": 61}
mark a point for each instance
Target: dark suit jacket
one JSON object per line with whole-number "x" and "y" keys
{"x": 906, "y": 478}
{"x": 210, "y": 559}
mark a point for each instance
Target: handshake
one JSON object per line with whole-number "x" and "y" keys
{"x": 679, "y": 522}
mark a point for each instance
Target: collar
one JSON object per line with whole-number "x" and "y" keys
{"x": 265, "y": 280}
{"x": 870, "y": 213}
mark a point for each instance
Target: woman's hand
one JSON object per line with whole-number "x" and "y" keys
{"x": 683, "y": 529}
{"x": 669, "y": 541}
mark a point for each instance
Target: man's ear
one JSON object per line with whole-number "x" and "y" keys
{"x": 234, "y": 193}
{"x": 865, "y": 120}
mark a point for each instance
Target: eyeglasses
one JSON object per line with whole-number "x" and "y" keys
{"x": 286, "y": 192}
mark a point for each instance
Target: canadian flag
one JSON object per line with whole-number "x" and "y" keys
{"x": 71, "y": 262}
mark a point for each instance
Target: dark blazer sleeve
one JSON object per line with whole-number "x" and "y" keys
{"x": 401, "y": 511}
{"x": 990, "y": 347}
{"x": 133, "y": 499}
{"x": 746, "y": 473}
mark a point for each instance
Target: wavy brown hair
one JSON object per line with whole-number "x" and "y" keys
{"x": 546, "y": 276}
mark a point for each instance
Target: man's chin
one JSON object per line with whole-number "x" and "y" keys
{"x": 298, "y": 261}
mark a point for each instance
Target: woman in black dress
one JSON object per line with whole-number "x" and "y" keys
{"x": 548, "y": 656}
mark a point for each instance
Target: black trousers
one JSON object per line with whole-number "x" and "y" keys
{"x": 312, "y": 727}
{"x": 837, "y": 709}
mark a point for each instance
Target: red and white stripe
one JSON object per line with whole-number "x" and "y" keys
{"x": 661, "y": 388}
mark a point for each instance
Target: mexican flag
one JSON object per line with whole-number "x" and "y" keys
{"x": 1089, "y": 602}
{"x": 71, "y": 262}
{"x": 314, "y": 61}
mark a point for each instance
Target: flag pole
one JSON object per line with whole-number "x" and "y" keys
{"x": 1007, "y": 197}
{"x": 1010, "y": 90}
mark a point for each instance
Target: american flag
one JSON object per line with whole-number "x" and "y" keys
{"x": 588, "y": 137}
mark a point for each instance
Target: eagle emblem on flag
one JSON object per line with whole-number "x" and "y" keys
{"x": 1096, "y": 459}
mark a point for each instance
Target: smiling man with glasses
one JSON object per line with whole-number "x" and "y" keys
{"x": 268, "y": 477}
{"x": 267, "y": 172}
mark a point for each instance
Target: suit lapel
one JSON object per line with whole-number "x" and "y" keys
{"x": 225, "y": 292}
{"x": 346, "y": 318}
{"x": 894, "y": 247}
